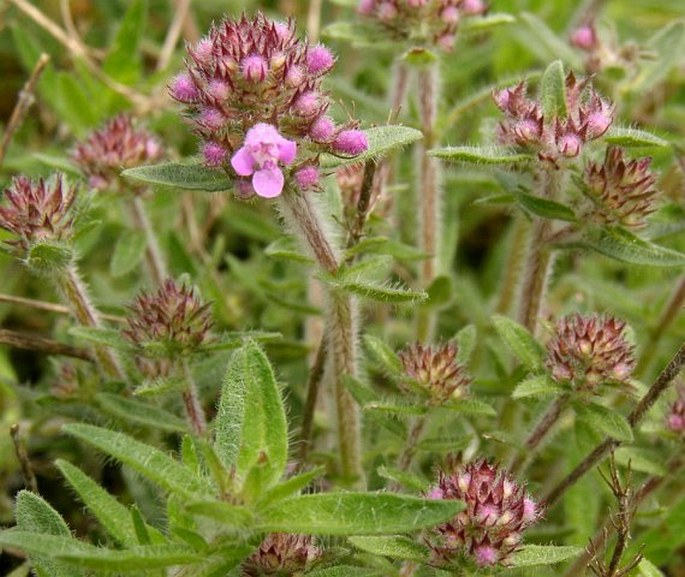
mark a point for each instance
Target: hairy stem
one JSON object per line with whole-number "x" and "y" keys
{"x": 407, "y": 456}
{"x": 429, "y": 189}
{"x": 541, "y": 430}
{"x": 660, "y": 385}
{"x": 513, "y": 264}
{"x": 191, "y": 401}
{"x": 300, "y": 213}
{"x": 540, "y": 259}
{"x": 153, "y": 254}
{"x": 23, "y": 457}
{"x": 75, "y": 294}
{"x": 313, "y": 384}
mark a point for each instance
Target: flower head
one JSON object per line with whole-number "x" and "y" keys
{"x": 430, "y": 22}
{"x": 263, "y": 150}
{"x": 675, "y": 419}
{"x": 585, "y": 37}
{"x": 252, "y": 92}
{"x": 37, "y": 210}
{"x": 498, "y": 511}
{"x": 119, "y": 144}
{"x": 281, "y": 554}
{"x": 622, "y": 191}
{"x": 436, "y": 370}
{"x": 587, "y": 350}
{"x": 556, "y": 136}
{"x": 173, "y": 318}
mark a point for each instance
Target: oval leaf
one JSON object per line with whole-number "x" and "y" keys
{"x": 395, "y": 547}
{"x": 189, "y": 176}
{"x": 605, "y": 421}
{"x": 480, "y": 155}
{"x": 633, "y": 138}
{"x": 537, "y": 386}
{"x": 520, "y": 342}
{"x": 531, "y": 555}
{"x": 356, "y": 514}
{"x": 553, "y": 89}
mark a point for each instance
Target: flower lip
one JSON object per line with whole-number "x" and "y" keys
{"x": 264, "y": 148}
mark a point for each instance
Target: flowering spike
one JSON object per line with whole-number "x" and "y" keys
{"x": 281, "y": 554}
{"x": 588, "y": 350}
{"x": 118, "y": 144}
{"x": 36, "y": 210}
{"x": 497, "y": 512}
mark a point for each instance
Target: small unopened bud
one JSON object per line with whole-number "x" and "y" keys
{"x": 307, "y": 177}
{"x": 319, "y": 59}
{"x": 473, "y": 6}
{"x": 584, "y": 37}
{"x": 212, "y": 118}
{"x": 450, "y": 15}
{"x": 183, "y": 88}
{"x": 352, "y": 142}
{"x": 203, "y": 50}
{"x": 322, "y": 129}
{"x": 214, "y": 154}
{"x": 675, "y": 419}
{"x": 307, "y": 103}
{"x": 254, "y": 68}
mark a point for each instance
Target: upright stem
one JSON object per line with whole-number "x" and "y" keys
{"x": 540, "y": 258}
{"x": 543, "y": 427}
{"x": 429, "y": 189}
{"x": 313, "y": 384}
{"x": 660, "y": 385}
{"x": 407, "y": 456}
{"x": 513, "y": 265}
{"x": 341, "y": 330}
{"x": 194, "y": 411}
{"x": 156, "y": 263}
{"x": 76, "y": 295}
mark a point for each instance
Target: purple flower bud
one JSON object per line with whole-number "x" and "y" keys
{"x": 254, "y": 68}
{"x": 675, "y": 420}
{"x": 295, "y": 76}
{"x": 387, "y": 12}
{"x": 319, "y": 59}
{"x": 307, "y": 177}
{"x": 322, "y": 129}
{"x": 485, "y": 555}
{"x": 212, "y": 118}
{"x": 218, "y": 89}
{"x": 584, "y": 37}
{"x": 473, "y": 6}
{"x": 366, "y": 7}
{"x": 307, "y": 103}
{"x": 214, "y": 154}
{"x": 450, "y": 15}
{"x": 352, "y": 142}
{"x": 569, "y": 144}
{"x": 183, "y": 88}
{"x": 203, "y": 51}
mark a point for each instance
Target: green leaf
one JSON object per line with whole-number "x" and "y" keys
{"x": 382, "y": 292}
{"x": 402, "y": 477}
{"x": 286, "y": 248}
{"x": 382, "y": 355}
{"x": 669, "y": 44}
{"x": 642, "y": 460}
{"x": 290, "y": 486}
{"x": 356, "y": 514}
{"x": 101, "y": 336}
{"x": 471, "y": 407}
{"x": 485, "y": 23}
{"x": 520, "y": 342}
{"x": 622, "y": 245}
{"x": 541, "y": 40}
{"x": 134, "y": 411}
{"x": 553, "y": 90}
{"x": 537, "y": 386}
{"x": 235, "y": 339}
{"x": 123, "y": 62}
{"x": 384, "y": 245}
{"x": 647, "y": 569}
{"x": 633, "y": 138}
{"x": 545, "y": 207}
{"x": 465, "y": 340}
{"x": 480, "y": 155}
{"x": 395, "y": 547}
{"x": 345, "y": 571}
{"x": 189, "y": 176}
{"x": 532, "y": 555}
{"x": 113, "y": 516}
{"x": 146, "y": 460}
{"x": 396, "y": 408}
{"x": 382, "y": 140}
{"x": 251, "y": 423}
{"x": 665, "y": 536}
{"x": 605, "y": 421}
{"x": 233, "y": 516}
{"x": 128, "y": 252}
{"x": 47, "y": 257}
{"x": 440, "y": 292}
{"x": 36, "y": 517}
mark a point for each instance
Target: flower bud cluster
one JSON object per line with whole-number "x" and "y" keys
{"x": 430, "y": 21}
{"x": 675, "y": 420}
{"x": 281, "y": 555}
{"x": 587, "y": 117}
{"x": 436, "y": 371}
{"x": 253, "y": 94}
{"x": 37, "y": 210}
{"x": 588, "y": 350}
{"x": 174, "y": 319}
{"x": 118, "y": 145}
{"x": 622, "y": 191}
{"x": 497, "y": 512}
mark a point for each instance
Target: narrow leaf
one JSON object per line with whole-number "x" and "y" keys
{"x": 113, "y": 516}
{"x": 290, "y": 486}
{"x": 536, "y": 386}
{"x": 146, "y": 460}
{"x": 395, "y": 547}
{"x": 471, "y": 407}
{"x": 123, "y": 63}
{"x": 188, "y": 176}
{"x": 553, "y": 90}
{"x": 382, "y": 140}
{"x": 141, "y": 413}
{"x": 540, "y": 39}
{"x": 633, "y": 138}
{"x": 356, "y": 514}
{"x": 605, "y": 421}
{"x": 128, "y": 252}
{"x": 545, "y": 207}
{"x": 532, "y": 555}
{"x": 480, "y": 155}
{"x": 465, "y": 340}
{"x": 520, "y": 342}
{"x": 385, "y": 293}
{"x": 485, "y": 23}
{"x": 383, "y": 356}
{"x": 251, "y": 422}
{"x": 233, "y": 516}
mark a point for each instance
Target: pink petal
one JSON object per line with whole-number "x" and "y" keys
{"x": 268, "y": 182}
{"x": 242, "y": 162}
{"x": 287, "y": 149}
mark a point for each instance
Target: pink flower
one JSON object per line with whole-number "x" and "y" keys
{"x": 259, "y": 156}
{"x": 351, "y": 142}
